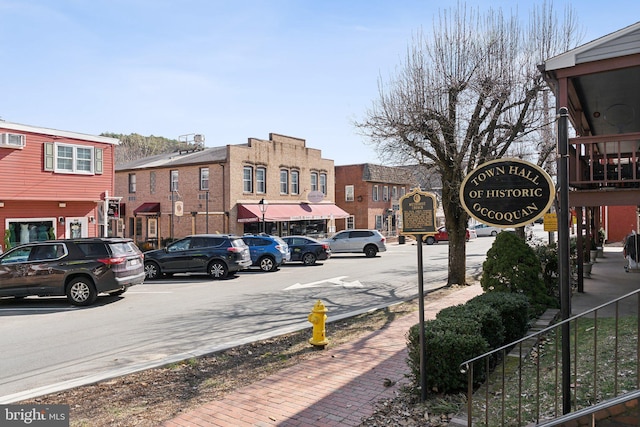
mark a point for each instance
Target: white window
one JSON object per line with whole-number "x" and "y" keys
{"x": 378, "y": 222}
{"x": 295, "y": 182}
{"x": 351, "y": 222}
{"x": 152, "y": 182}
{"x": 74, "y": 159}
{"x": 403, "y": 191}
{"x": 375, "y": 196}
{"x": 348, "y": 193}
{"x": 261, "y": 180}
{"x": 173, "y": 186}
{"x": 132, "y": 183}
{"x": 323, "y": 183}
{"x": 284, "y": 182}
{"x": 204, "y": 178}
{"x": 394, "y": 193}
{"x": 247, "y": 179}
{"x": 314, "y": 181}
{"x": 385, "y": 193}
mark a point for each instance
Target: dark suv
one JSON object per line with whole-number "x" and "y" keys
{"x": 77, "y": 268}
{"x": 214, "y": 254}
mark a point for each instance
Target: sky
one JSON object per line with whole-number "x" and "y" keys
{"x": 228, "y": 70}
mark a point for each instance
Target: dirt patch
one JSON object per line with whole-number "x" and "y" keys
{"x": 148, "y": 398}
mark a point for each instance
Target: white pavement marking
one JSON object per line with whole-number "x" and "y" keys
{"x": 335, "y": 281}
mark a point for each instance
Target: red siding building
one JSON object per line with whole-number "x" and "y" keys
{"x": 53, "y": 183}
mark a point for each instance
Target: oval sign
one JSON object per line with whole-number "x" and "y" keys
{"x": 507, "y": 193}
{"x": 315, "y": 196}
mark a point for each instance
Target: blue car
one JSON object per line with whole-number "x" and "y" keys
{"x": 307, "y": 250}
{"x": 267, "y": 252}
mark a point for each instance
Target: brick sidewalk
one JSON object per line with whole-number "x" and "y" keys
{"x": 336, "y": 389}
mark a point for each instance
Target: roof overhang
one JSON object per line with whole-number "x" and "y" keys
{"x": 147, "y": 209}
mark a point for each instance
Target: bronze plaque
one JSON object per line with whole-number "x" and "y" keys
{"x": 418, "y": 212}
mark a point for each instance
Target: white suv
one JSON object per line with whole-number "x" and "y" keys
{"x": 369, "y": 242}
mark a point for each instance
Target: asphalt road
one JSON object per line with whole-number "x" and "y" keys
{"x": 48, "y": 345}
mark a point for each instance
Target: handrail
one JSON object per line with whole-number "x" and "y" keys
{"x": 623, "y": 398}
{"x": 468, "y": 368}
{"x": 548, "y": 329}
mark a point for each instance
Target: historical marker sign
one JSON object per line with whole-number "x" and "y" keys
{"x": 507, "y": 193}
{"x": 418, "y": 212}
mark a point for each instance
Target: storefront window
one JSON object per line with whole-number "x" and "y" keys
{"x": 30, "y": 230}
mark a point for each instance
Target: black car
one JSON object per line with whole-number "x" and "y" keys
{"x": 214, "y": 254}
{"x": 79, "y": 269}
{"x": 307, "y": 249}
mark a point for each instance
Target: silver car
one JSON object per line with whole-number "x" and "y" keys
{"x": 483, "y": 230}
{"x": 369, "y": 242}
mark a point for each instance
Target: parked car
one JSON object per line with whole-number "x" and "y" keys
{"x": 443, "y": 235}
{"x": 79, "y": 269}
{"x": 214, "y": 254}
{"x": 483, "y": 230}
{"x": 307, "y": 249}
{"x": 267, "y": 252}
{"x": 369, "y": 242}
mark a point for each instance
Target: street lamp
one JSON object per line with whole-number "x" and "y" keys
{"x": 263, "y": 204}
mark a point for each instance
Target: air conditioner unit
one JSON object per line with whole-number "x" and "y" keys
{"x": 12, "y": 140}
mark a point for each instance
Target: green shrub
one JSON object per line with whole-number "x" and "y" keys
{"x": 513, "y": 310}
{"x": 548, "y": 256}
{"x": 447, "y": 345}
{"x": 512, "y": 266}
{"x": 491, "y": 326}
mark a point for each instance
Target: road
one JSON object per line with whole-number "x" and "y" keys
{"x": 48, "y": 345}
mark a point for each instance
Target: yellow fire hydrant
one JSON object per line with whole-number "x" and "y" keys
{"x": 318, "y": 319}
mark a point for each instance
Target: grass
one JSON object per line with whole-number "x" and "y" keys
{"x": 532, "y": 390}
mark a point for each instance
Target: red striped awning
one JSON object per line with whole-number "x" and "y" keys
{"x": 290, "y": 212}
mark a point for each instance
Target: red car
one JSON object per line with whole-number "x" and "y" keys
{"x": 443, "y": 235}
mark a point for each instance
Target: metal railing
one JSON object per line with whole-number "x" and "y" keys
{"x": 599, "y": 161}
{"x": 521, "y": 381}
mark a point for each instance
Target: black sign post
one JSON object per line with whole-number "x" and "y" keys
{"x": 418, "y": 213}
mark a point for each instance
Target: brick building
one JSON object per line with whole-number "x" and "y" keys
{"x": 370, "y": 194}
{"x": 222, "y": 190}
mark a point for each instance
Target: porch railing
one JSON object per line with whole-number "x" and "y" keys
{"x": 599, "y": 161}
{"x": 523, "y": 379}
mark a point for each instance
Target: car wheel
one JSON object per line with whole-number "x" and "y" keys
{"x": 370, "y": 251}
{"x": 267, "y": 264}
{"x": 430, "y": 240}
{"x": 217, "y": 270}
{"x": 494, "y": 233}
{"x": 151, "y": 270}
{"x": 81, "y": 291}
{"x": 309, "y": 259}
{"x": 118, "y": 292}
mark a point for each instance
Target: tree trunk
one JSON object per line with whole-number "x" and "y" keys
{"x": 456, "y": 219}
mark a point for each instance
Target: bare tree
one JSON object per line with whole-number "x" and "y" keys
{"x": 464, "y": 95}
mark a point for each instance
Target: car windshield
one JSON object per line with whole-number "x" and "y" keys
{"x": 238, "y": 243}
{"x": 123, "y": 248}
